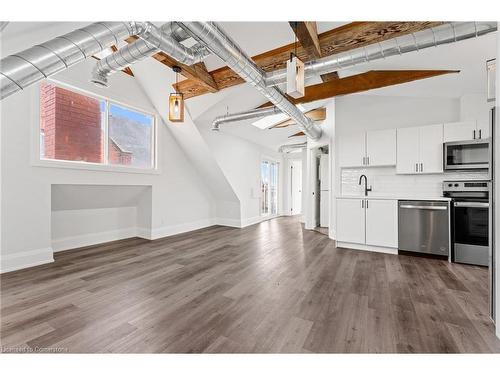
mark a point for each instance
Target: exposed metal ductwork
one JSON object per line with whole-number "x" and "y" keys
{"x": 240, "y": 116}
{"x": 211, "y": 35}
{"x": 292, "y": 146}
{"x": 432, "y": 37}
{"x": 152, "y": 40}
{"x": 25, "y": 68}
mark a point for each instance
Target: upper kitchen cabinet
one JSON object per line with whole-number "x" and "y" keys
{"x": 368, "y": 149}
{"x": 408, "y": 150}
{"x": 431, "y": 149}
{"x": 420, "y": 150}
{"x": 465, "y": 131}
{"x": 381, "y": 147}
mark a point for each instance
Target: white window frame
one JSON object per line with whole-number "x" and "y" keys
{"x": 37, "y": 161}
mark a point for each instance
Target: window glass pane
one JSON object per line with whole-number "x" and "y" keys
{"x": 130, "y": 137}
{"x": 71, "y": 125}
{"x": 264, "y": 170}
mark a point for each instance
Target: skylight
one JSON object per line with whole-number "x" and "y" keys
{"x": 268, "y": 121}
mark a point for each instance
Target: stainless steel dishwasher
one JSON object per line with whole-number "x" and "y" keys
{"x": 424, "y": 227}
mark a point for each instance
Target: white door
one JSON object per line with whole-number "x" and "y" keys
{"x": 431, "y": 149}
{"x": 324, "y": 211}
{"x": 351, "y": 220}
{"x": 324, "y": 172}
{"x": 352, "y": 150}
{"x": 382, "y": 222}
{"x": 459, "y": 131}
{"x": 381, "y": 147}
{"x": 407, "y": 150}
{"x": 296, "y": 187}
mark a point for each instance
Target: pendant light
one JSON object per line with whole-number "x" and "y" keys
{"x": 176, "y": 100}
{"x": 295, "y": 74}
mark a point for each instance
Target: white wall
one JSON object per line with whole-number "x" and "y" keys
{"x": 497, "y": 194}
{"x": 180, "y": 201}
{"x": 240, "y": 160}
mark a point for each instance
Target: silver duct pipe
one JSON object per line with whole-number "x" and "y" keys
{"x": 293, "y": 146}
{"x": 210, "y": 34}
{"x": 240, "y": 116}
{"x": 432, "y": 37}
{"x": 140, "y": 49}
{"x": 25, "y": 68}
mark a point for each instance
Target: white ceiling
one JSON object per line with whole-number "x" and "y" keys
{"x": 256, "y": 37}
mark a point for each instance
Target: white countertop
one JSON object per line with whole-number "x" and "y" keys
{"x": 399, "y": 198}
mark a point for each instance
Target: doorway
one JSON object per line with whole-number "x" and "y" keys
{"x": 269, "y": 188}
{"x": 296, "y": 187}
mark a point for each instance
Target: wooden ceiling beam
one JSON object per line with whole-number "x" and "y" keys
{"x": 317, "y": 114}
{"x": 340, "y": 39}
{"x": 370, "y": 80}
{"x": 329, "y": 76}
{"x": 307, "y": 34}
{"x": 197, "y": 73}
{"x": 299, "y": 134}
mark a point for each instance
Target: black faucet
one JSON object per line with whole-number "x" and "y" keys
{"x": 367, "y": 189}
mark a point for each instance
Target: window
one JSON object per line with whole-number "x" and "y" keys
{"x": 269, "y": 187}
{"x": 81, "y": 128}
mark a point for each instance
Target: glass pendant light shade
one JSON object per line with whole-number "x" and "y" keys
{"x": 176, "y": 107}
{"x": 176, "y": 101}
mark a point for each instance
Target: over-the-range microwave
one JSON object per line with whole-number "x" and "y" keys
{"x": 467, "y": 155}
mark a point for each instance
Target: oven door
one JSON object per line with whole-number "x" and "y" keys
{"x": 471, "y": 231}
{"x": 467, "y": 155}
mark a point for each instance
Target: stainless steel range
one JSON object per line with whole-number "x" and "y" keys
{"x": 470, "y": 220}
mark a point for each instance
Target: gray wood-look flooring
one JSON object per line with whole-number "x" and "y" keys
{"x": 271, "y": 287}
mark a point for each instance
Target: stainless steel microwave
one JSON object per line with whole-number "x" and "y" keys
{"x": 467, "y": 155}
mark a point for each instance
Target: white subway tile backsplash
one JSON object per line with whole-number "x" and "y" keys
{"x": 385, "y": 181}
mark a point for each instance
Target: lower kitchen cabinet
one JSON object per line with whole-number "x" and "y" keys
{"x": 351, "y": 220}
{"x": 367, "y": 224}
{"x": 382, "y": 222}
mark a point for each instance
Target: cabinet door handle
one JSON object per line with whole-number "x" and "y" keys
{"x": 474, "y": 134}
{"x": 363, "y": 162}
{"x": 367, "y": 203}
{"x": 421, "y": 167}
{"x": 416, "y": 167}
{"x": 362, "y": 203}
{"x": 480, "y": 134}
{"x": 368, "y": 160}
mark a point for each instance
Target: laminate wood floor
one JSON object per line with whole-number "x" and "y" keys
{"x": 272, "y": 287}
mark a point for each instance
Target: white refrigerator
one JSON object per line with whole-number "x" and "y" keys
{"x": 324, "y": 180}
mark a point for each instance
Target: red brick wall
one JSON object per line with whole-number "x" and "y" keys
{"x": 72, "y": 125}
{"x": 117, "y": 156}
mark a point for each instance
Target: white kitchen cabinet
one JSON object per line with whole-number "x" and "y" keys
{"x": 381, "y": 147}
{"x": 351, "y": 220}
{"x": 465, "y": 131}
{"x": 420, "y": 150}
{"x": 382, "y": 222}
{"x": 368, "y": 149}
{"x": 459, "y": 131}
{"x": 431, "y": 149}
{"x": 352, "y": 150}
{"x": 408, "y": 149}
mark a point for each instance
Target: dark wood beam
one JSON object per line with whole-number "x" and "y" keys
{"x": 307, "y": 34}
{"x": 329, "y": 77}
{"x": 317, "y": 114}
{"x": 340, "y": 39}
{"x": 299, "y": 134}
{"x": 373, "y": 79}
{"x": 197, "y": 73}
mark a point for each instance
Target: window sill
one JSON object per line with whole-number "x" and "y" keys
{"x": 92, "y": 167}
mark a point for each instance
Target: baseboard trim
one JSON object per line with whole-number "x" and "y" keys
{"x": 375, "y": 249}
{"x": 235, "y": 223}
{"x": 181, "y": 228}
{"x": 89, "y": 239}
{"x": 26, "y": 259}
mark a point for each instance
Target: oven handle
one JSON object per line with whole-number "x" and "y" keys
{"x": 424, "y": 207}
{"x": 472, "y": 204}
